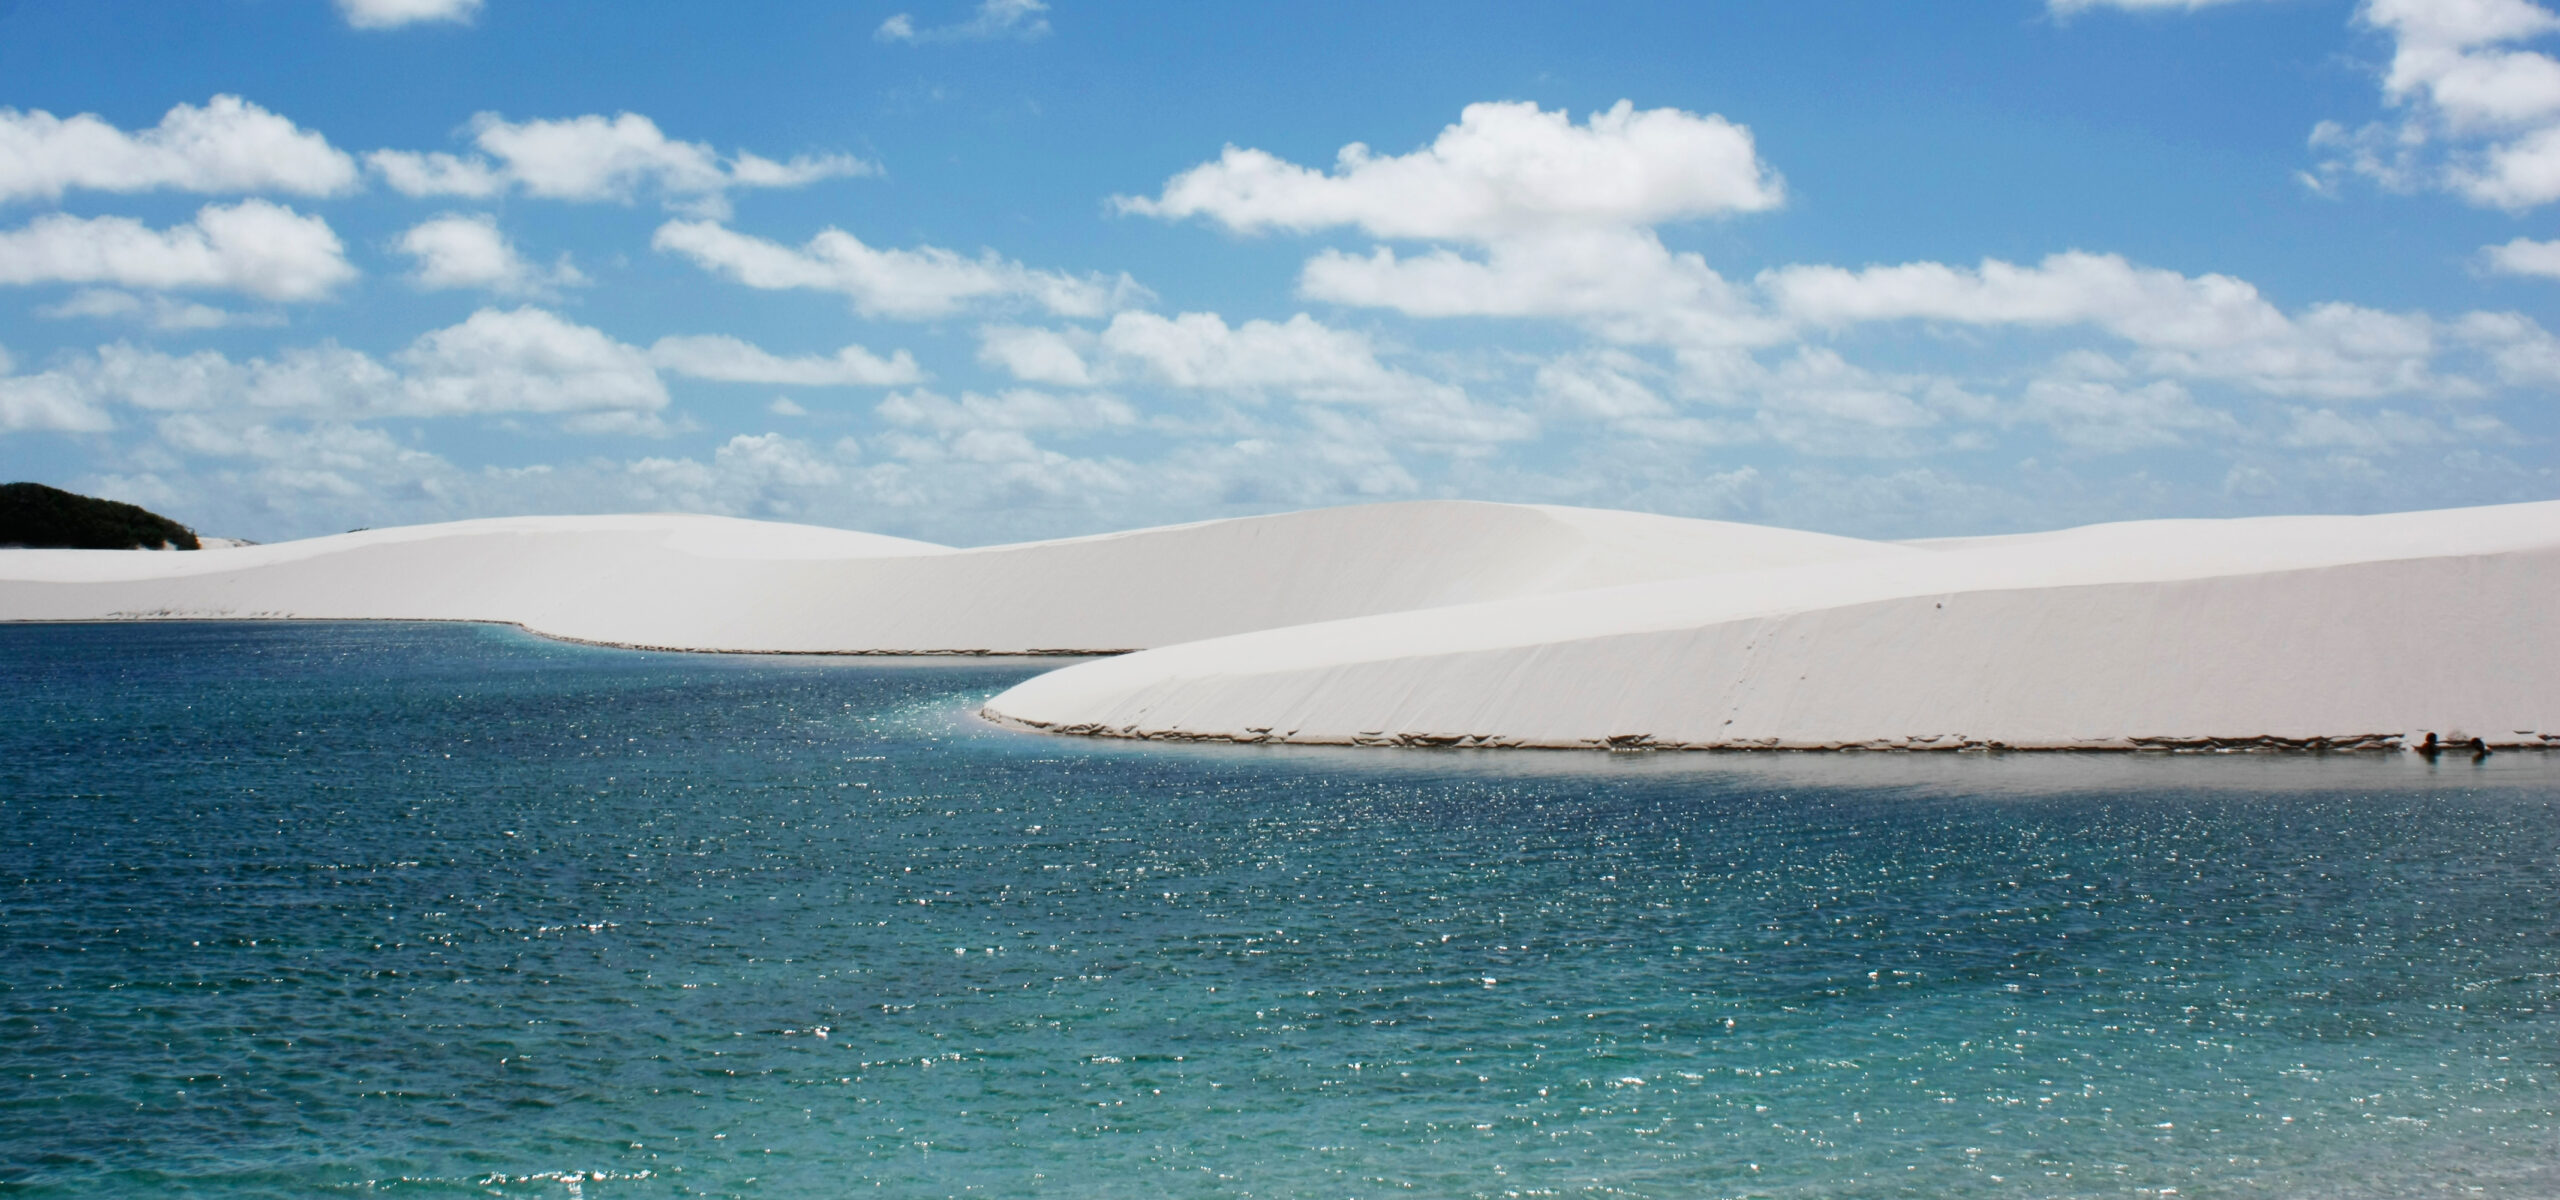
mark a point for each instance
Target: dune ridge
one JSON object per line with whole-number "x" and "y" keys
{"x": 720, "y": 584}
{"x": 1450, "y": 623}
{"x": 2307, "y": 632}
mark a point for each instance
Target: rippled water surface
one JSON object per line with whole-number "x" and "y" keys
{"x": 447, "y": 910}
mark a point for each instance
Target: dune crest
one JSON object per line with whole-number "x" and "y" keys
{"x": 2304, "y": 632}
{"x": 717, "y": 583}
{"x": 1441, "y": 623}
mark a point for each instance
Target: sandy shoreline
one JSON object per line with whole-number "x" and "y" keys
{"x": 1510, "y": 626}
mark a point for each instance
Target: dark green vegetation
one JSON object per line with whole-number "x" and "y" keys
{"x": 37, "y": 516}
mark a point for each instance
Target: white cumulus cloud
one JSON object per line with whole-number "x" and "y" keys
{"x": 48, "y": 402}
{"x": 254, "y": 246}
{"x": 391, "y": 14}
{"x": 2106, "y": 418}
{"x": 1012, "y": 411}
{"x": 496, "y": 362}
{"x": 2480, "y": 113}
{"x": 1035, "y": 355}
{"x": 771, "y": 460}
{"x": 1298, "y": 365}
{"x": 1535, "y": 217}
{"x": 730, "y": 360}
{"x": 158, "y": 312}
{"x": 594, "y": 158}
{"x": 527, "y": 360}
{"x": 2452, "y": 55}
{"x": 1605, "y": 386}
{"x": 1550, "y": 218}
{"x": 229, "y": 145}
{"x": 1300, "y": 355}
{"x": 2523, "y": 353}
{"x": 1623, "y": 282}
{"x": 467, "y": 251}
{"x": 924, "y": 282}
{"x": 2524, "y": 256}
{"x": 1502, "y": 170}
{"x": 1820, "y": 403}
{"x": 2211, "y": 326}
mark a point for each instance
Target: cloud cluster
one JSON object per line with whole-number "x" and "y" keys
{"x": 1658, "y": 381}
{"x": 2480, "y": 113}
{"x": 229, "y": 145}
{"x": 255, "y": 247}
{"x": 1019, "y": 410}
{"x": 1502, "y": 171}
{"x": 1624, "y": 283}
{"x": 598, "y": 158}
{"x": 263, "y": 249}
{"x": 1536, "y": 218}
{"x": 498, "y": 362}
{"x": 1252, "y": 363}
{"x": 155, "y": 311}
{"x": 2211, "y": 326}
{"x": 467, "y": 251}
{"x": 1547, "y": 219}
{"x": 2524, "y": 256}
{"x": 925, "y": 282}
{"x": 46, "y": 403}
{"x": 1300, "y": 358}
{"x": 1812, "y": 401}
{"x": 730, "y": 360}
{"x": 1299, "y": 355}
{"x": 526, "y": 361}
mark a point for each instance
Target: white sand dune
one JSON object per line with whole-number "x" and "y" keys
{"x": 712, "y": 583}
{"x": 1452, "y": 623}
{"x": 2302, "y": 631}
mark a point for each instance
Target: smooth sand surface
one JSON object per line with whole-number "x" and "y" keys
{"x": 2306, "y": 631}
{"x": 714, "y": 583}
{"x": 1458, "y": 623}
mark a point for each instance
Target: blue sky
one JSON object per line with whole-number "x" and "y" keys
{"x": 983, "y": 271}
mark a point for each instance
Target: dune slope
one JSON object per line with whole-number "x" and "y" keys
{"x": 2324, "y": 631}
{"x": 712, "y": 583}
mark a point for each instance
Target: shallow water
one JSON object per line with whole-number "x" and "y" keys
{"x": 448, "y": 910}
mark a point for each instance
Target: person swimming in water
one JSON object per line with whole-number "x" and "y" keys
{"x": 2430, "y": 748}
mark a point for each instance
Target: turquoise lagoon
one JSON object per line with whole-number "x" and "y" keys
{"x": 447, "y": 910}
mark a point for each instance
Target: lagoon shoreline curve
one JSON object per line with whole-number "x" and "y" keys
{"x": 1454, "y": 623}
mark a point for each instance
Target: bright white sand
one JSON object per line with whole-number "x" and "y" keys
{"x": 1449, "y": 623}
{"x": 712, "y": 583}
{"x": 2337, "y": 631}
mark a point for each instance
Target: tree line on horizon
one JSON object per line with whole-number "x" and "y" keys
{"x": 36, "y": 517}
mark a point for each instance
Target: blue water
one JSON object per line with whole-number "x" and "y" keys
{"x": 449, "y": 910}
